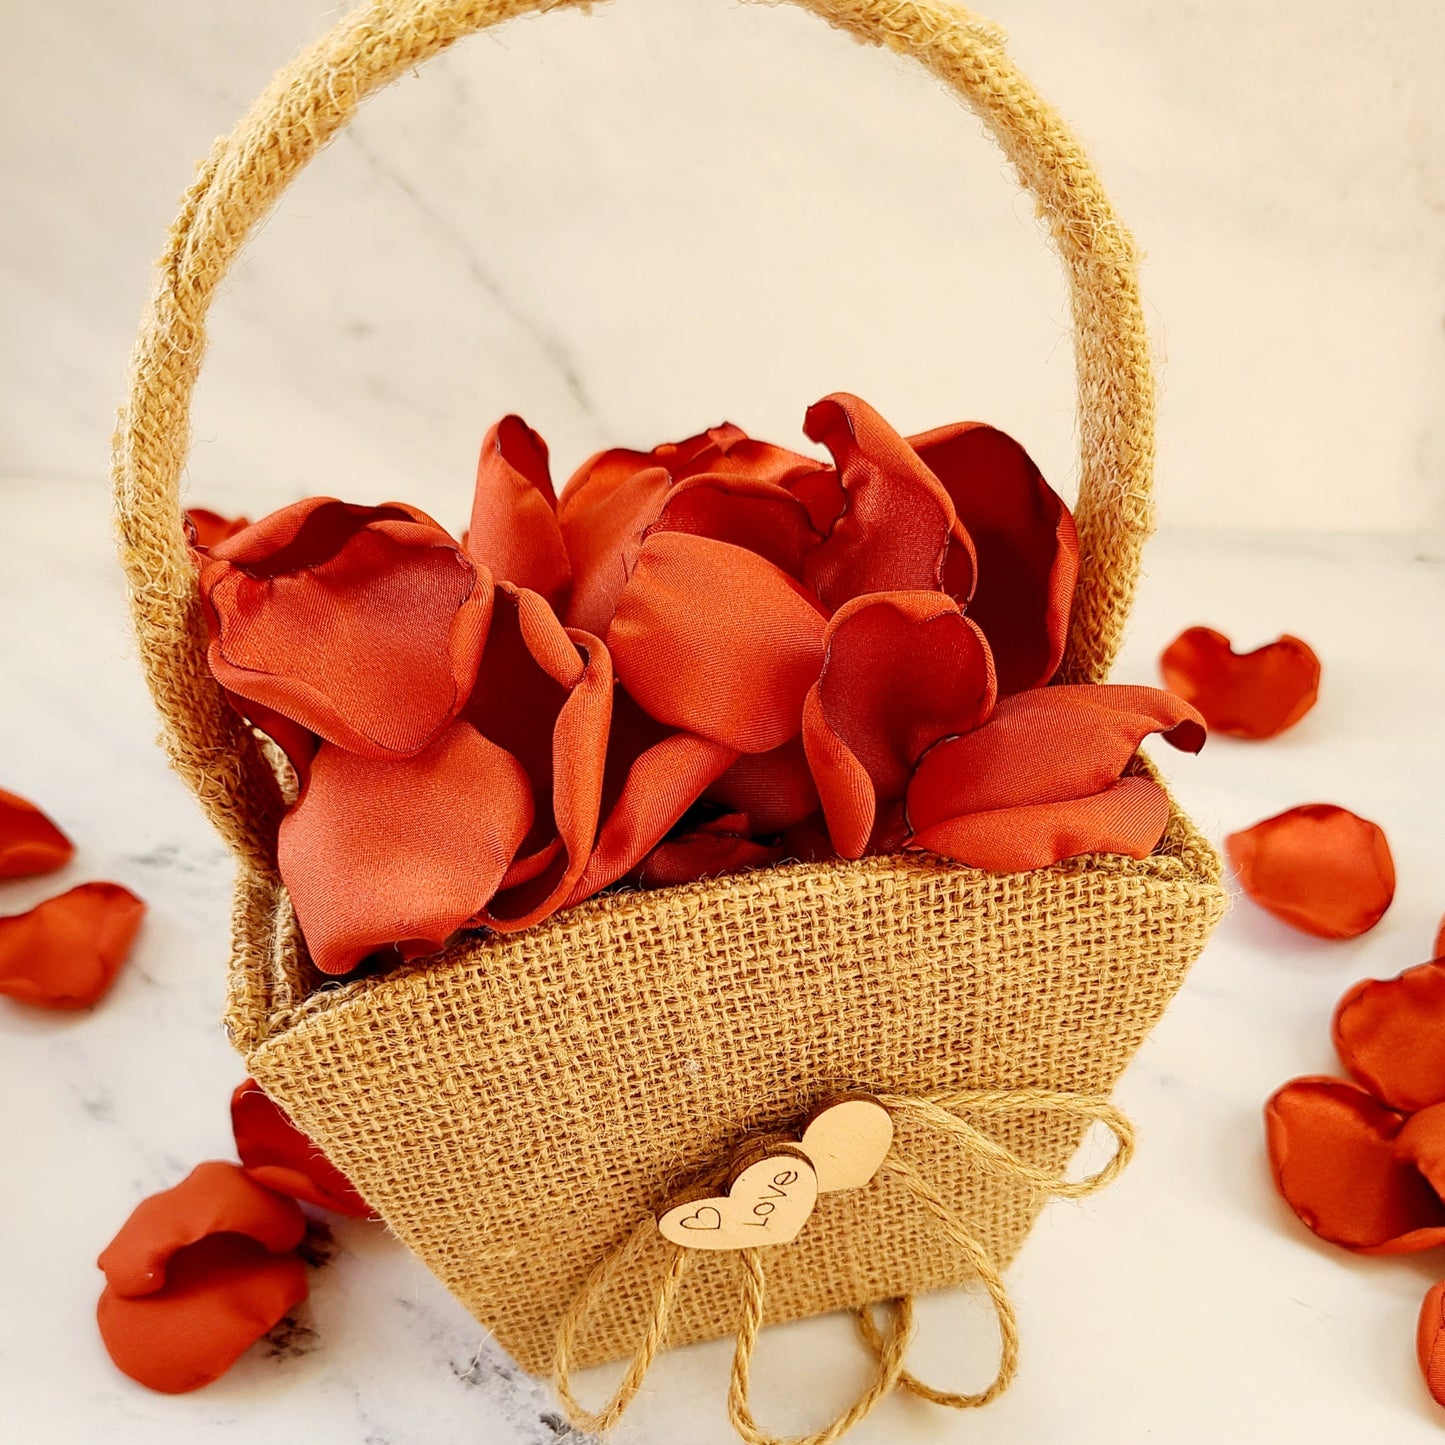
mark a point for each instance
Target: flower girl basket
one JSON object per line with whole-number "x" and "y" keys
{"x": 514, "y": 1107}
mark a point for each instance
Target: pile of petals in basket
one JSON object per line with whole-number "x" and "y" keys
{"x": 716, "y": 655}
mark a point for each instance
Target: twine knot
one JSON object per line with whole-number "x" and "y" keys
{"x": 950, "y": 1113}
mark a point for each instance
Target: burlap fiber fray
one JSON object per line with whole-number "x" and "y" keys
{"x": 512, "y": 1106}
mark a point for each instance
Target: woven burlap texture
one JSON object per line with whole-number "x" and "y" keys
{"x": 513, "y": 1105}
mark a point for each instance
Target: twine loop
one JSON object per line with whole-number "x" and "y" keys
{"x": 949, "y": 1113}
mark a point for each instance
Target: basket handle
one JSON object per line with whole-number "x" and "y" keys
{"x": 314, "y": 96}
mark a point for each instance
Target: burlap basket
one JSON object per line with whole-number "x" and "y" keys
{"x": 513, "y": 1106}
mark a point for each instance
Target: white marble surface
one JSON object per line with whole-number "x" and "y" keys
{"x": 1185, "y": 1305}
{"x": 629, "y": 225}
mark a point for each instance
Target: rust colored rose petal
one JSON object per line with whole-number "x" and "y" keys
{"x": 716, "y": 641}
{"x": 30, "y": 844}
{"x": 709, "y": 851}
{"x": 66, "y": 952}
{"x": 513, "y": 529}
{"x": 1026, "y": 545}
{"x": 898, "y": 531}
{"x": 1422, "y": 1142}
{"x": 653, "y": 775}
{"x": 1333, "y": 1151}
{"x": 216, "y": 1197}
{"x": 221, "y": 1295}
{"x": 1042, "y": 780}
{"x": 903, "y": 670}
{"x": 363, "y": 624}
{"x": 1319, "y": 868}
{"x": 1430, "y": 1341}
{"x": 208, "y": 529}
{"x": 1390, "y": 1034}
{"x": 404, "y": 850}
{"x": 774, "y": 790}
{"x": 1248, "y": 695}
{"x": 274, "y": 1152}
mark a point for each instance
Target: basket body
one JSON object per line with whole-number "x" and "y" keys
{"x": 513, "y": 1107}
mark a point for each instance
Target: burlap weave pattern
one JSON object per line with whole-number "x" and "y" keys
{"x": 515, "y": 1105}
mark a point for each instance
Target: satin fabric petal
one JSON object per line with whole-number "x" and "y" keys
{"x": 898, "y": 532}
{"x": 30, "y": 844}
{"x": 735, "y": 673}
{"x": 404, "y": 850}
{"x": 758, "y": 516}
{"x": 1390, "y": 1035}
{"x": 1422, "y": 1142}
{"x": 1048, "y": 743}
{"x": 615, "y": 496}
{"x": 214, "y": 1198}
{"x": 513, "y": 531}
{"x": 724, "y": 845}
{"x": 205, "y": 529}
{"x": 1332, "y": 1149}
{"x": 1025, "y": 544}
{"x": 548, "y": 701}
{"x": 1319, "y": 868}
{"x": 221, "y": 1296}
{"x": 1430, "y": 1341}
{"x": 773, "y": 790}
{"x": 1127, "y": 817}
{"x": 901, "y": 671}
{"x": 66, "y": 952}
{"x": 364, "y": 625}
{"x": 276, "y": 1154}
{"x": 1247, "y": 695}
{"x": 653, "y": 775}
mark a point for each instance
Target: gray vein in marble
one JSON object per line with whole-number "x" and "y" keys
{"x": 546, "y": 341}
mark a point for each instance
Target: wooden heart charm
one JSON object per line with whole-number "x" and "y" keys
{"x": 769, "y": 1199}
{"x": 847, "y": 1138}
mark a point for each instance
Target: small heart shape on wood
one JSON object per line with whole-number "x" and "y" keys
{"x": 847, "y": 1139}
{"x": 769, "y": 1200}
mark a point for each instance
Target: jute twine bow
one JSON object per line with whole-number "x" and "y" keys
{"x": 942, "y": 1112}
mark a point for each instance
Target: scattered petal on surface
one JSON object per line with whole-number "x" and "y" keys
{"x": 1390, "y": 1034}
{"x": 214, "y": 1198}
{"x": 30, "y": 844}
{"x": 206, "y": 528}
{"x": 363, "y": 624}
{"x": 1248, "y": 695}
{"x": 1333, "y": 1150}
{"x": 1422, "y": 1142}
{"x": 274, "y": 1152}
{"x": 513, "y": 531}
{"x": 1025, "y": 544}
{"x": 401, "y": 850}
{"x": 1318, "y": 867}
{"x": 65, "y": 953}
{"x": 716, "y": 641}
{"x": 1042, "y": 779}
{"x": 1430, "y": 1341}
{"x": 196, "y": 1275}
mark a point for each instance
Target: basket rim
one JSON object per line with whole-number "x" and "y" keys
{"x": 273, "y": 987}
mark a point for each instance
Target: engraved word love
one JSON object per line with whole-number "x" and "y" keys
{"x": 773, "y": 1184}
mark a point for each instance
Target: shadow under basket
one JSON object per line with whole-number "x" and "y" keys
{"x": 513, "y": 1106}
